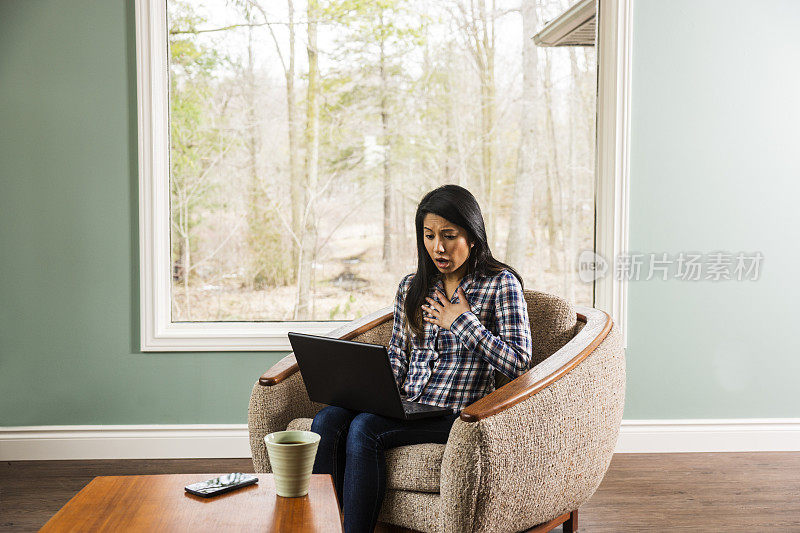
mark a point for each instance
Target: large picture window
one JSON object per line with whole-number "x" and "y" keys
{"x": 290, "y": 141}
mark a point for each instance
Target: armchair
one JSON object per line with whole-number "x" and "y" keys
{"x": 524, "y": 457}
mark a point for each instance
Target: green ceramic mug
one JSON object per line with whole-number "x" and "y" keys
{"x": 292, "y": 454}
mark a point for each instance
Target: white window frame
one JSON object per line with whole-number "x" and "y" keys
{"x": 614, "y": 47}
{"x": 157, "y": 331}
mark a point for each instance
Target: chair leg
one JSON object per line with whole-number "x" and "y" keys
{"x": 571, "y": 525}
{"x": 569, "y": 521}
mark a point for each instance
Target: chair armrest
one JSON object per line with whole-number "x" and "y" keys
{"x": 540, "y": 457}
{"x": 279, "y": 371}
{"x": 598, "y": 325}
{"x": 271, "y": 409}
{"x": 288, "y": 365}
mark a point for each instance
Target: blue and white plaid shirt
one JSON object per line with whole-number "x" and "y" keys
{"x": 453, "y": 368}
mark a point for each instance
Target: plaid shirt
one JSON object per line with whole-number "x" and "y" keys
{"x": 453, "y": 368}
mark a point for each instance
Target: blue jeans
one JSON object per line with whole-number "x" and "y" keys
{"x": 352, "y": 449}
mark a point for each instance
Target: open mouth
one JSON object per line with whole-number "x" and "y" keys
{"x": 441, "y": 263}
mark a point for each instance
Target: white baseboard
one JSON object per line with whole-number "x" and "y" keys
{"x": 24, "y": 443}
{"x": 709, "y": 435}
{"x": 188, "y": 441}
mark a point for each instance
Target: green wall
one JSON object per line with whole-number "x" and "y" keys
{"x": 69, "y": 331}
{"x": 714, "y": 166}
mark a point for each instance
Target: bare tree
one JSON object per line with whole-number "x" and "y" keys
{"x": 555, "y": 198}
{"x": 288, "y": 67}
{"x": 388, "y": 241}
{"x": 477, "y": 22}
{"x": 572, "y": 205}
{"x": 522, "y": 204}
{"x": 291, "y": 111}
{"x": 306, "y": 253}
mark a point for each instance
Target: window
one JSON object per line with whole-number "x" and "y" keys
{"x": 284, "y": 147}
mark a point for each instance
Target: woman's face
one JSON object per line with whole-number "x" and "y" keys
{"x": 447, "y": 243}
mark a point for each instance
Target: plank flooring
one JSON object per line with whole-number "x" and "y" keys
{"x": 641, "y": 492}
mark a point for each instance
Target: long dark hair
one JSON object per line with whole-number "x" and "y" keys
{"x": 458, "y": 206}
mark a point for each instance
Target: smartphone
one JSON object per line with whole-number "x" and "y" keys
{"x": 221, "y": 484}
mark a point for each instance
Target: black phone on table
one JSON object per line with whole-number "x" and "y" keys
{"x": 221, "y": 484}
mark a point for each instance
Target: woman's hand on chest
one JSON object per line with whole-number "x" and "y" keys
{"x": 443, "y": 312}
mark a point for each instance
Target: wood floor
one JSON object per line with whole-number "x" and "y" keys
{"x": 641, "y": 492}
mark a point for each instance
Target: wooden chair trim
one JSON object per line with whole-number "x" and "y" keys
{"x": 288, "y": 365}
{"x": 598, "y": 324}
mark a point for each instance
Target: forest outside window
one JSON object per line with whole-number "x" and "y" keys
{"x": 300, "y": 135}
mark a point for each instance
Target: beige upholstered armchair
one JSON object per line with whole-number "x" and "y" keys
{"x": 528, "y": 455}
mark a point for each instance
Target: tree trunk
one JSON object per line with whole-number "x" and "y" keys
{"x": 254, "y": 220}
{"x": 295, "y": 185}
{"x": 449, "y": 124}
{"x": 388, "y": 258}
{"x": 571, "y": 204}
{"x": 309, "y": 234}
{"x": 553, "y": 178}
{"x": 522, "y": 206}
{"x": 187, "y": 263}
{"x": 487, "y": 47}
{"x": 551, "y": 220}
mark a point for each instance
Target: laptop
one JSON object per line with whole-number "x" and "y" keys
{"x": 354, "y": 375}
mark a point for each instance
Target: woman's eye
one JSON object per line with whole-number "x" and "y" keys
{"x": 429, "y": 236}
{"x": 451, "y": 237}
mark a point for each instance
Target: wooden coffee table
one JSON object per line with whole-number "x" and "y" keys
{"x": 159, "y": 503}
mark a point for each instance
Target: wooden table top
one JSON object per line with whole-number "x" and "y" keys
{"x": 159, "y": 503}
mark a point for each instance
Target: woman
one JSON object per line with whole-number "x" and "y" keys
{"x": 459, "y": 318}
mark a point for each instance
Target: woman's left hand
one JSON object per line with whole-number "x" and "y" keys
{"x": 443, "y": 312}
